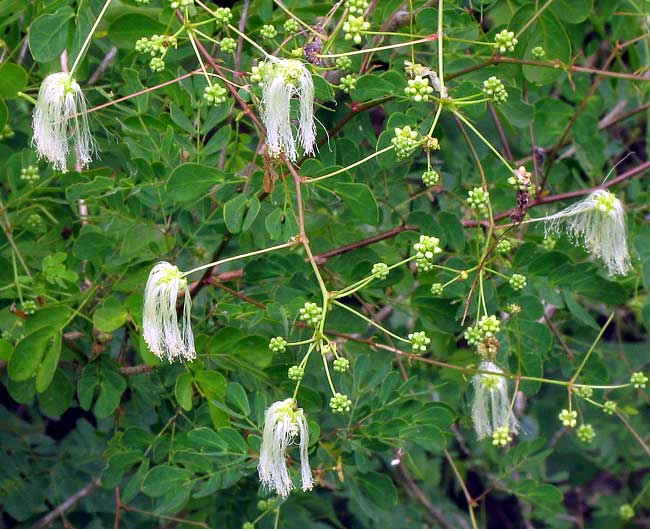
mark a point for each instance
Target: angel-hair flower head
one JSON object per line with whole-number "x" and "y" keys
{"x": 60, "y": 122}
{"x": 283, "y": 422}
{"x": 598, "y": 223}
{"x": 281, "y": 80}
{"x": 166, "y": 338}
{"x": 491, "y": 407}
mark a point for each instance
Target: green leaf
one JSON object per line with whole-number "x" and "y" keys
{"x": 58, "y": 396}
{"x": 164, "y": 479}
{"x": 14, "y": 79}
{"x": 360, "y": 201}
{"x": 191, "y": 181}
{"x": 99, "y": 187}
{"x": 111, "y": 315}
{"x": 4, "y": 113}
{"x": 233, "y": 213}
{"x": 184, "y": 391}
{"x": 111, "y": 387}
{"x": 212, "y": 383}
{"x": 236, "y": 396}
{"x": 27, "y": 354}
{"x": 208, "y": 439}
{"x": 124, "y": 31}
{"x": 49, "y": 364}
{"x": 374, "y": 493}
{"x": 48, "y": 34}
{"x": 572, "y": 11}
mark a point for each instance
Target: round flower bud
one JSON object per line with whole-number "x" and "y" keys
{"x": 505, "y": 41}
{"x": 291, "y": 26}
{"x": 222, "y": 16}
{"x": 215, "y": 94}
{"x": 478, "y": 199}
{"x": 348, "y": 83}
{"x": 539, "y": 53}
{"x": 425, "y": 251}
{"x": 586, "y": 433}
{"x": 268, "y": 31}
{"x": 494, "y": 90}
{"x": 157, "y": 64}
{"x": 517, "y": 281}
{"x": 311, "y": 313}
{"x": 278, "y": 344}
{"x": 419, "y": 341}
{"x": 340, "y": 403}
{"x": 626, "y": 512}
{"x": 501, "y": 436}
{"x": 228, "y": 45}
{"x": 354, "y": 27}
{"x": 380, "y": 270}
{"x": 418, "y": 89}
{"x": 609, "y": 407}
{"x": 503, "y": 246}
{"x": 437, "y": 289}
{"x": 638, "y": 380}
{"x": 405, "y": 141}
{"x": 568, "y": 418}
{"x": 341, "y": 364}
{"x": 296, "y": 373}
{"x": 343, "y": 63}
{"x": 430, "y": 178}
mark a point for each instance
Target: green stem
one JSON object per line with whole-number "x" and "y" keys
{"x": 352, "y": 166}
{"x": 86, "y": 43}
{"x": 483, "y": 139}
{"x": 369, "y": 321}
{"x": 591, "y": 349}
{"x": 354, "y": 287}
{"x": 237, "y": 257}
{"x": 379, "y": 48}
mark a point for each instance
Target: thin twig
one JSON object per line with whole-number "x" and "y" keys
{"x": 50, "y": 517}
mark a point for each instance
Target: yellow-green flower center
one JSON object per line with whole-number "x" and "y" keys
{"x": 606, "y": 202}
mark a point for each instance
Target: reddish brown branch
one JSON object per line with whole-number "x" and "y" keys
{"x": 49, "y": 518}
{"x": 325, "y": 256}
{"x": 636, "y": 171}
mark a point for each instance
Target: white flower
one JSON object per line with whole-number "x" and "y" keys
{"x": 60, "y": 122}
{"x": 285, "y": 79}
{"x": 491, "y": 406}
{"x": 598, "y": 223}
{"x": 282, "y": 423}
{"x": 162, "y": 333}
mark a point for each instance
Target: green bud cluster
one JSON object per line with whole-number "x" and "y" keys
{"x": 179, "y": 4}
{"x": 228, "y": 45}
{"x": 568, "y": 418}
{"x": 501, "y": 436}
{"x": 248, "y": 525}
{"x": 214, "y": 94}
{"x": 638, "y": 380}
{"x": 296, "y": 373}
{"x": 418, "y": 89}
{"x": 549, "y": 243}
{"x": 30, "y": 174}
{"x": 268, "y": 31}
{"x": 437, "y": 289}
{"x": 505, "y": 41}
{"x": 609, "y": 407}
{"x": 426, "y": 250}
{"x": 291, "y": 26}
{"x": 7, "y": 132}
{"x": 29, "y": 306}
{"x": 405, "y": 140}
{"x": 380, "y": 270}
{"x": 35, "y": 221}
{"x": 494, "y": 90}
{"x": 503, "y": 246}
{"x": 478, "y": 199}
{"x": 223, "y": 16}
{"x": 357, "y": 7}
{"x": 585, "y": 433}
{"x": 521, "y": 180}
{"x": 348, "y": 83}
{"x": 341, "y": 364}
{"x": 340, "y": 403}
{"x": 486, "y": 327}
{"x": 626, "y": 512}
{"x": 354, "y": 27}
{"x": 343, "y": 63}
{"x": 517, "y": 281}
{"x": 419, "y": 341}
{"x": 584, "y": 391}
{"x": 278, "y": 344}
{"x": 156, "y": 44}
{"x": 142, "y": 2}
{"x": 311, "y": 313}
{"x": 539, "y": 53}
{"x": 430, "y": 178}
{"x": 157, "y": 64}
